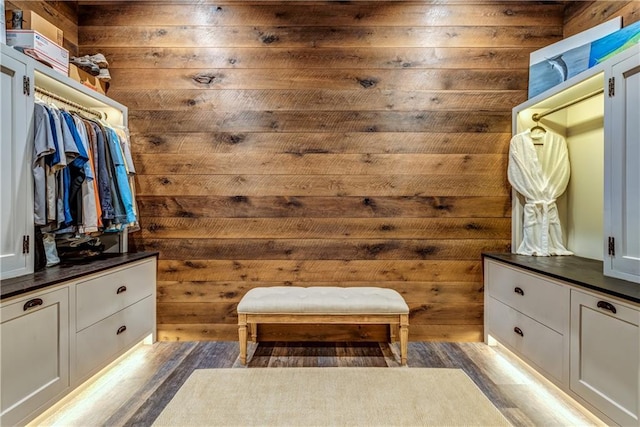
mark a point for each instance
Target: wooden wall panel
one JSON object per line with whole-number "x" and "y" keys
{"x": 314, "y": 78}
{"x": 580, "y": 16}
{"x": 320, "y": 144}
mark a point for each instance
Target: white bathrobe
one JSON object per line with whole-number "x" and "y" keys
{"x": 541, "y": 176}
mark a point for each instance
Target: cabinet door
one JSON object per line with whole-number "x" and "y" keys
{"x": 605, "y": 355}
{"x": 16, "y": 194}
{"x": 35, "y": 353}
{"x": 622, "y": 171}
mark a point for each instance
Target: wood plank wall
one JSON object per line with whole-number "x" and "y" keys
{"x": 320, "y": 143}
{"x": 580, "y": 16}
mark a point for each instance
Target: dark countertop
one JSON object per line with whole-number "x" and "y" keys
{"x": 61, "y": 273}
{"x": 583, "y": 272}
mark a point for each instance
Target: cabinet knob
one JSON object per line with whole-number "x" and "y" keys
{"x": 32, "y": 303}
{"x": 518, "y": 290}
{"x": 518, "y": 331}
{"x": 121, "y": 329}
{"x": 607, "y": 306}
{"x": 121, "y": 289}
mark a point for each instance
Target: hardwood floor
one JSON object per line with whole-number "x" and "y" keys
{"x": 135, "y": 389}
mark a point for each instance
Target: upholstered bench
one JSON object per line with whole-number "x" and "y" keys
{"x": 323, "y": 305}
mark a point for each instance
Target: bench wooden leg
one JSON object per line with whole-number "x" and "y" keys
{"x": 404, "y": 338}
{"x": 253, "y": 327}
{"x": 242, "y": 336}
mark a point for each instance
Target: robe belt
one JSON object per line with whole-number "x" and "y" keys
{"x": 544, "y": 231}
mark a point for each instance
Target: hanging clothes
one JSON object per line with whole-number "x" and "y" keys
{"x": 89, "y": 223}
{"x": 83, "y": 173}
{"x": 104, "y": 177}
{"x": 541, "y": 176}
{"x": 76, "y": 169}
{"x": 121, "y": 177}
{"x": 43, "y": 146}
{"x": 56, "y": 162}
{"x": 125, "y": 144}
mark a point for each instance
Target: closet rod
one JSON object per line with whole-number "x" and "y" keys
{"x": 70, "y": 103}
{"x": 536, "y": 117}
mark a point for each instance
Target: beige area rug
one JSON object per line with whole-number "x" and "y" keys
{"x": 330, "y": 397}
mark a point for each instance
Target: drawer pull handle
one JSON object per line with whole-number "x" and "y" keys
{"x": 607, "y": 306}
{"x": 518, "y": 331}
{"x": 32, "y": 303}
{"x": 121, "y": 329}
{"x": 518, "y": 290}
{"x": 121, "y": 289}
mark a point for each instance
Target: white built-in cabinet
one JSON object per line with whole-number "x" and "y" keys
{"x": 523, "y": 310}
{"x": 113, "y": 310}
{"x": 56, "y": 338}
{"x": 597, "y": 113}
{"x": 35, "y": 353}
{"x": 585, "y": 342}
{"x": 605, "y": 355}
{"x": 622, "y": 169}
{"x": 21, "y": 77}
{"x": 16, "y": 189}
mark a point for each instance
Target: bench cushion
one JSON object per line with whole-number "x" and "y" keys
{"x": 322, "y": 300}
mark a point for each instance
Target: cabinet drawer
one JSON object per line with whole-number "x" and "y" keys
{"x": 98, "y": 343}
{"x": 605, "y": 355}
{"x": 34, "y": 355}
{"x": 541, "y": 299}
{"x": 537, "y": 343}
{"x": 109, "y": 293}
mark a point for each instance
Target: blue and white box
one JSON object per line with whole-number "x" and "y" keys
{"x": 46, "y": 50}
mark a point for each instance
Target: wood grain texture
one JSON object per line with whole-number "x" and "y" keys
{"x": 301, "y": 143}
{"x": 313, "y": 78}
{"x": 356, "y": 14}
{"x": 264, "y": 249}
{"x": 232, "y": 291}
{"x": 318, "y": 228}
{"x": 319, "y": 164}
{"x": 323, "y": 207}
{"x": 279, "y": 58}
{"x": 317, "y": 37}
{"x": 581, "y": 16}
{"x": 350, "y": 143}
{"x": 320, "y": 121}
{"x": 195, "y": 100}
{"x": 240, "y": 186}
{"x": 298, "y": 272}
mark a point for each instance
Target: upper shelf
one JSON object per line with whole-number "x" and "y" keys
{"x": 52, "y": 81}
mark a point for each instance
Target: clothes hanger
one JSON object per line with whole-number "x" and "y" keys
{"x": 537, "y": 132}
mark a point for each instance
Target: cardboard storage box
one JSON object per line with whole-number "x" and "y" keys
{"x": 35, "y": 22}
{"x": 86, "y": 79}
{"x": 45, "y": 49}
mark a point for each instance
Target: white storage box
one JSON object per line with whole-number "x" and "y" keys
{"x": 45, "y": 49}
